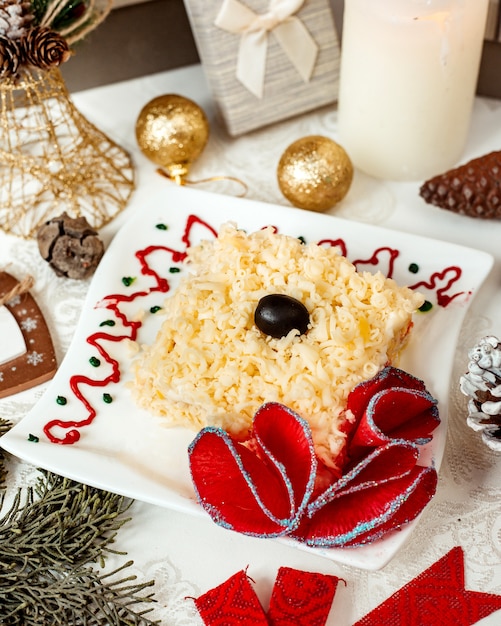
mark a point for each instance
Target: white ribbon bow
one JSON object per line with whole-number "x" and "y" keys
{"x": 292, "y": 35}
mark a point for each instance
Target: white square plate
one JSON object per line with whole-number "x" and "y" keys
{"x": 125, "y": 450}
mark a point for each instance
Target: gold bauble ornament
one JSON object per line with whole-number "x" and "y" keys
{"x": 172, "y": 131}
{"x": 314, "y": 173}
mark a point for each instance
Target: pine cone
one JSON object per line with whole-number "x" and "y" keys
{"x": 481, "y": 384}
{"x": 10, "y": 57}
{"x": 472, "y": 189}
{"x": 70, "y": 246}
{"x": 15, "y": 18}
{"x": 44, "y": 48}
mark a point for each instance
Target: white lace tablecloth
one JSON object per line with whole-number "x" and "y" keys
{"x": 188, "y": 556}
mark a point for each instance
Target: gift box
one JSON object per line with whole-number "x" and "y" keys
{"x": 489, "y": 80}
{"x": 266, "y": 60}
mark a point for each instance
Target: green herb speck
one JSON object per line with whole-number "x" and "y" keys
{"x": 174, "y": 270}
{"x": 33, "y": 438}
{"x": 94, "y": 361}
{"x": 426, "y": 306}
{"x": 107, "y": 323}
{"x": 107, "y": 398}
{"x": 413, "y": 268}
{"x": 155, "y": 309}
{"x": 128, "y": 280}
{"x": 61, "y": 400}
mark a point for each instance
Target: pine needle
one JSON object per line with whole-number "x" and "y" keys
{"x": 73, "y": 19}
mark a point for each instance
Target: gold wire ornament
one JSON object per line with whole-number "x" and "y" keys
{"x": 53, "y": 160}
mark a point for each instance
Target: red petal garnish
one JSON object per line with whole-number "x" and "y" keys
{"x": 270, "y": 485}
{"x": 395, "y": 414}
{"x": 259, "y": 493}
{"x": 294, "y": 452}
{"x": 386, "y": 463}
{"x": 392, "y": 405}
{"x": 232, "y": 602}
{"x": 370, "y": 500}
{"x": 301, "y": 598}
{"x": 387, "y": 378}
{"x": 416, "y": 498}
{"x": 221, "y": 469}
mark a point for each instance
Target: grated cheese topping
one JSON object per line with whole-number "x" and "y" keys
{"x": 210, "y": 364}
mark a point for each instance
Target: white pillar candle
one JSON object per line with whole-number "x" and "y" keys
{"x": 409, "y": 71}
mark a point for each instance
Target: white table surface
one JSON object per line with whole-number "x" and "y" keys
{"x": 188, "y": 556}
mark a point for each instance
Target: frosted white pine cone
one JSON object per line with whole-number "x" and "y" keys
{"x": 15, "y": 18}
{"x": 482, "y": 385}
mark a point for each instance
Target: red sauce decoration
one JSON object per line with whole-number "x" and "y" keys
{"x": 335, "y": 243}
{"x": 441, "y": 282}
{"x": 376, "y": 260}
{"x": 99, "y": 339}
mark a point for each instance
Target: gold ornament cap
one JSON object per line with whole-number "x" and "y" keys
{"x": 315, "y": 173}
{"x": 172, "y": 131}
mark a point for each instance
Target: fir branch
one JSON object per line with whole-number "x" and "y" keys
{"x": 73, "y": 19}
{"x": 63, "y": 12}
{"x": 76, "y": 597}
{"x": 49, "y": 538}
{"x": 38, "y": 7}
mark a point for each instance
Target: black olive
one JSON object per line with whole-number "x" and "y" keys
{"x": 277, "y": 314}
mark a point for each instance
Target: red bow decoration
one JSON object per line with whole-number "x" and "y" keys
{"x": 437, "y": 597}
{"x": 297, "y": 598}
{"x": 267, "y": 486}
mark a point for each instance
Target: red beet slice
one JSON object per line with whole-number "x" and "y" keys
{"x": 263, "y": 491}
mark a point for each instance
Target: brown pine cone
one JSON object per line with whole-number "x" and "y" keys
{"x": 10, "y": 57}
{"x": 472, "y": 189}
{"x": 70, "y": 246}
{"x": 44, "y": 48}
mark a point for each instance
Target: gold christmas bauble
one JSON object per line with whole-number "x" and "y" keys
{"x": 172, "y": 131}
{"x": 314, "y": 173}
